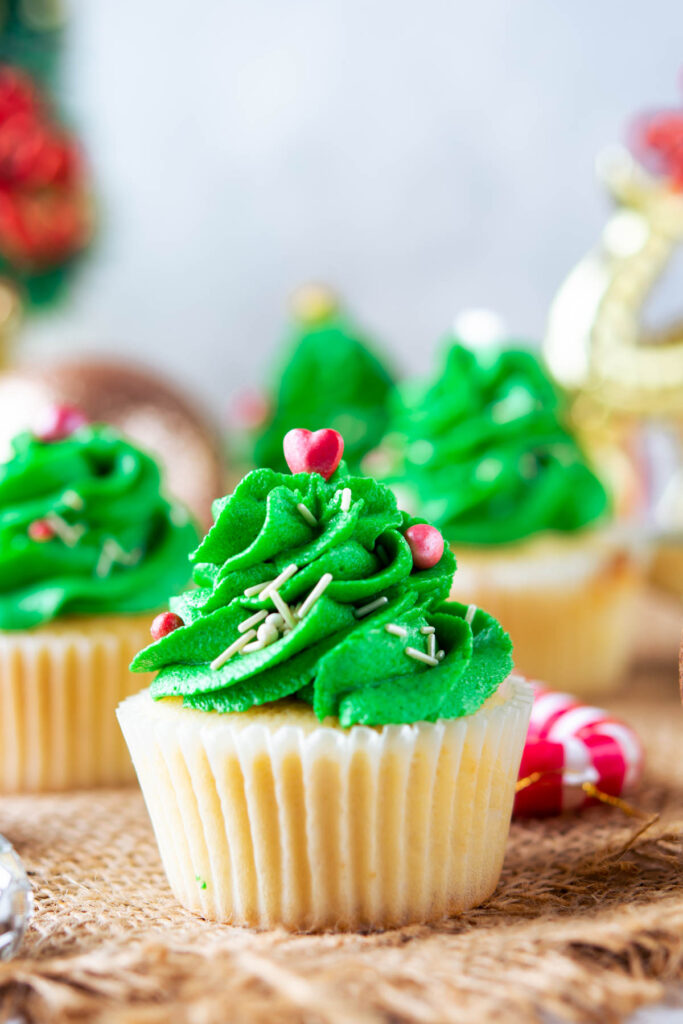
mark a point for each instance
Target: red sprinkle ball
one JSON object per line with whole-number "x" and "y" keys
{"x": 164, "y": 624}
{"x": 313, "y": 452}
{"x": 40, "y": 530}
{"x": 59, "y": 422}
{"x": 426, "y": 545}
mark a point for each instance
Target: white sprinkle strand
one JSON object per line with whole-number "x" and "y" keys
{"x": 256, "y": 645}
{"x": 283, "y": 608}
{"x": 69, "y": 534}
{"x": 317, "y": 592}
{"x": 440, "y": 655}
{"x": 307, "y": 514}
{"x": 427, "y": 630}
{"x": 345, "y": 499}
{"x": 227, "y": 654}
{"x": 257, "y": 588}
{"x": 111, "y": 553}
{"x": 252, "y": 620}
{"x": 431, "y": 645}
{"x": 367, "y": 608}
{"x": 395, "y": 630}
{"x": 413, "y": 652}
{"x": 73, "y": 500}
{"x": 275, "y": 619}
{"x": 275, "y": 584}
{"x": 469, "y": 614}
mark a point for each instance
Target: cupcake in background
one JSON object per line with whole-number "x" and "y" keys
{"x": 328, "y": 742}
{"x": 89, "y": 551}
{"x": 485, "y": 452}
{"x": 327, "y": 375}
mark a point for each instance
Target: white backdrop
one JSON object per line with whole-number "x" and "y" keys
{"x": 421, "y": 156}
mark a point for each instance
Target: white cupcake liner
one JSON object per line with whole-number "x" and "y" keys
{"x": 268, "y": 817}
{"x": 60, "y": 685}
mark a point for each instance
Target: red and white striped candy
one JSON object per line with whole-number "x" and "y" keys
{"x": 571, "y": 743}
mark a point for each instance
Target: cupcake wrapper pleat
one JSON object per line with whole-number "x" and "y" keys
{"x": 325, "y": 828}
{"x": 60, "y": 685}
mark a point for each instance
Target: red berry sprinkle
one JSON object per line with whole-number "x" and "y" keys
{"x": 164, "y": 624}
{"x": 40, "y": 530}
{"x": 59, "y": 422}
{"x": 426, "y": 545}
{"x": 317, "y": 452}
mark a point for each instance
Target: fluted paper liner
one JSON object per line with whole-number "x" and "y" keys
{"x": 268, "y": 817}
{"x": 60, "y": 685}
{"x": 577, "y": 634}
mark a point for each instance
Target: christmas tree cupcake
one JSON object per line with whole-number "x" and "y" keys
{"x": 485, "y": 452}
{"x": 329, "y": 375}
{"x": 89, "y": 549}
{"x": 328, "y": 742}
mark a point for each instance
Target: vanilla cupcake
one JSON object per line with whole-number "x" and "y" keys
{"x": 485, "y": 452}
{"x": 89, "y": 550}
{"x": 328, "y": 742}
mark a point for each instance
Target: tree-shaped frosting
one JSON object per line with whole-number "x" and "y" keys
{"x": 486, "y": 453}
{"x": 329, "y": 375}
{"x": 308, "y": 587}
{"x": 85, "y": 528}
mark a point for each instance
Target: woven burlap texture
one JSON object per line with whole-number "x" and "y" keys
{"x": 579, "y": 926}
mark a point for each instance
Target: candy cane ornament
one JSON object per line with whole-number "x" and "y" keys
{"x": 568, "y": 745}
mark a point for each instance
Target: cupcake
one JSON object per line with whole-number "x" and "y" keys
{"x": 485, "y": 452}
{"x": 329, "y": 374}
{"x": 88, "y": 549}
{"x": 328, "y": 742}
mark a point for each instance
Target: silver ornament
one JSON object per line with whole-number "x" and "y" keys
{"x": 16, "y": 900}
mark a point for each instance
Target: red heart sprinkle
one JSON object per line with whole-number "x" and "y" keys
{"x": 317, "y": 452}
{"x": 59, "y": 422}
{"x": 164, "y": 624}
{"x": 426, "y": 545}
{"x": 40, "y": 530}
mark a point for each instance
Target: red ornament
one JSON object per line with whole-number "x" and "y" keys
{"x": 317, "y": 452}
{"x": 45, "y": 210}
{"x": 165, "y": 623}
{"x": 59, "y": 422}
{"x": 657, "y": 141}
{"x": 40, "y": 531}
{"x": 573, "y": 747}
{"x": 426, "y": 545}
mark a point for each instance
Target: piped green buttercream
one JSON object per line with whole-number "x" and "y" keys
{"x": 338, "y": 656}
{"x": 485, "y": 452}
{"x": 118, "y": 545}
{"x": 329, "y": 377}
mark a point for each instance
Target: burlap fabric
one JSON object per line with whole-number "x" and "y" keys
{"x": 582, "y": 925}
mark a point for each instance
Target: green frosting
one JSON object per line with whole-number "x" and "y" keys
{"x": 118, "y": 546}
{"x": 343, "y": 663}
{"x": 329, "y": 378}
{"x": 484, "y": 452}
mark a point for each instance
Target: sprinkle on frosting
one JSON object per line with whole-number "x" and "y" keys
{"x": 373, "y": 606}
{"x": 470, "y": 613}
{"x": 318, "y": 590}
{"x": 307, "y": 515}
{"x": 427, "y": 659}
{"x": 314, "y": 612}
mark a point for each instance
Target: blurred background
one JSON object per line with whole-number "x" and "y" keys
{"x": 421, "y": 157}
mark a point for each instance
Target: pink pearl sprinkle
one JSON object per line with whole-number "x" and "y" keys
{"x": 59, "y": 422}
{"x": 164, "y": 624}
{"x": 40, "y": 530}
{"x": 426, "y": 545}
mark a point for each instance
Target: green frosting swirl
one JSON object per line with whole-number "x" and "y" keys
{"x": 485, "y": 453}
{"x": 341, "y": 661}
{"x": 118, "y": 545}
{"x": 329, "y": 378}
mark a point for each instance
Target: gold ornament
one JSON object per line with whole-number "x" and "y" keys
{"x": 627, "y": 379}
